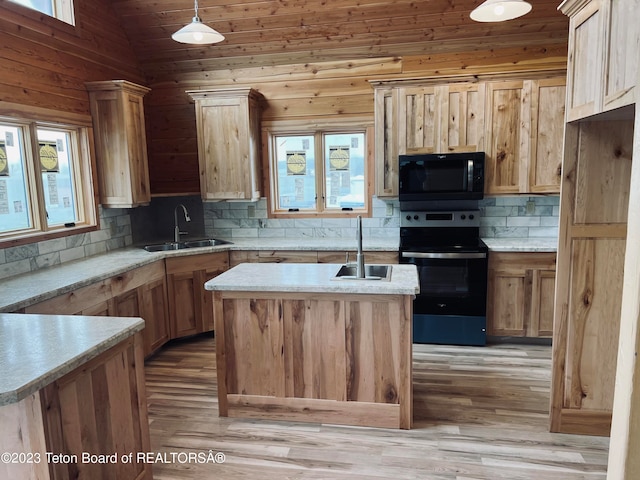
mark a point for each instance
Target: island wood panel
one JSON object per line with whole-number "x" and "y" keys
{"x": 100, "y": 409}
{"x": 591, "y": 252}
{"x": 348, "y": 357}
{"x": 22, "y": 433}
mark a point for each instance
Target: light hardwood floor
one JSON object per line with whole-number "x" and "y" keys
{"x": 479, "y": 414}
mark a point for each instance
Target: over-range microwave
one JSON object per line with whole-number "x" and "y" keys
{"x": 446, "y": 176}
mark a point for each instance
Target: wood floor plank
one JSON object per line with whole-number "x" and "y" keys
{"x": 479, "y": 414}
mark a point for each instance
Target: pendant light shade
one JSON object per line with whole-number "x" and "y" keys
{"x": 197, "y": 32}
{"x": 500, "y": 10}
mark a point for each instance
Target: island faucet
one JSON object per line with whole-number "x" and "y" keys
{"x": 176, "y": 230}
{"x": 359, "y": 255}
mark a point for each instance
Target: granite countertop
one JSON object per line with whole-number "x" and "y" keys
{"x": 36, "y": 350}
{"x": 541, "y": 244}
{"x": 311, "y": 278}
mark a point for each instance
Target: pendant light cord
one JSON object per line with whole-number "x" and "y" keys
{"x": 196, "y": 6}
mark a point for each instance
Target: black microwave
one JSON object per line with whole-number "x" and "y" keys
{"x": 446, "y": 176}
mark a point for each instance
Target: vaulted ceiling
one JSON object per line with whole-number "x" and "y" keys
{"x": 280, "y": 32}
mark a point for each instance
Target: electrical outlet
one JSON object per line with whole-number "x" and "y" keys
{"x": 251, "y": 211}
{"x": 531, "y": 207}
{"x": 389, "y": 209}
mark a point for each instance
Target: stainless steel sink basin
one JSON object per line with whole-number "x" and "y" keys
{"x": 208, "y": 242}
{"x": 163, "y": 247}
{"x": 371, "y": 272}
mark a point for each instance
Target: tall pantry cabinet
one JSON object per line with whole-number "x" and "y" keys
{"x": 598, "y": 268}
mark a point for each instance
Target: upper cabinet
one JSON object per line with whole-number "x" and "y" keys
{"x": 121, "y": 143}
{"x": 524, "y": 132}
{"x": 228, "y": 129}
{"x": 603, "y": 55}
{"x": 517, "y": 122}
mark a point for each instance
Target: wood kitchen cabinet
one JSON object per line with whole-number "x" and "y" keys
{"x": 603, "y": 55}
{"x": 518, "y": 122}
{"x": 228, "y": 130}
{"x": 591, "y": 254}
{"x": 120, "y": 141}
{"x": 524, "y": 133}
{"x": 190, "y": 308}
{"x": 520, "y": 294}
{"x": 140, "y": 292}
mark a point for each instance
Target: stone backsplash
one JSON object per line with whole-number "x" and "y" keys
{"x": 516, "y": 216}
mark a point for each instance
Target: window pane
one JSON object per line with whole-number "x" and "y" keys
{"x": 296, "y": 172}
{"x": 57, "y": 176}
{"x": 345, "y": 168}
{"x": 15, "y": 210}
{"x": 44, "y": 6}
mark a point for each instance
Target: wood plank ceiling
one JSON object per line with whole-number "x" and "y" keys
{"x": 261, "y": 33}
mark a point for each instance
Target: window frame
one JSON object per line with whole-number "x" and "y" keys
{"x": 30, "y": 119}
{"x": 317, "y": 129}
{"x": 63, "y": 10}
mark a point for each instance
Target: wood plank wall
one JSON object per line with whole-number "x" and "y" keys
{"x": 304, "y": 92}
{"x": 45, "y": 62}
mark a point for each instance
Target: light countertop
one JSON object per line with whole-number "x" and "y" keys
{"x": 36, "y": 350}
{"x": 311, "y": 278}
{"x": 30, "y": 288}
{"x": 506, "y": 244}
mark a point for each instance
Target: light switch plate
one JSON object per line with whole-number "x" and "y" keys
{"x": 389, "y": 209}
{"x": 531, "y": 207}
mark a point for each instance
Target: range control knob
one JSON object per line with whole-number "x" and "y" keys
{"x": 463, "y": 216}
{"x": 408, "y": 217}
{"x": 471, "y": 217}
{"x": 416, "y": 217}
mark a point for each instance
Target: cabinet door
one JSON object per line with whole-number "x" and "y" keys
{"x": 547, "y": 134}
{"x": 542, "y": 303}
{"x": 228, "y": 128}
{"x": 155, "y": 313}
{"x": 585, "y": 62}
{"x": 386, "y": 142}
{"x": 461, "y": 125}
{"x": 128, "y": 304}
{"x": 418, "y": 120}
{"x": 507, "y": 117}
{"x": 185, "y": 307}
{"x": 212, "y": 271}
{"x": 137, "y": 149}
{"x": 621, "y": 62}
{"x": 508, "y": 304}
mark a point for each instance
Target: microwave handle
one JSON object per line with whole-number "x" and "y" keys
{"x": 446, "y": 255}
{"x": 469, "y": 175}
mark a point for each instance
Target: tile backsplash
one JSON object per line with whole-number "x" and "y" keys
{"x": 114, "y": 233}
{"x": 515, "y": 216}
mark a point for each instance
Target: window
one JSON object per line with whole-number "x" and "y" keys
{"x": 319, "y": 173}
{"x": 60, "y": 9}
{"x": 45, "y": 179}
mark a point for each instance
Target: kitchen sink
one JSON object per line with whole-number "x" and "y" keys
{"x": 371, "y": 272}
{"x": 167, "y": 246}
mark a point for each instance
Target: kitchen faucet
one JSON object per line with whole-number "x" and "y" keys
{"x": 176, "y": 230}
{"x": 359, "y": 255}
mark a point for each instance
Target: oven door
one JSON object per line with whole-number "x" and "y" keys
{"x": 451, "y": 305}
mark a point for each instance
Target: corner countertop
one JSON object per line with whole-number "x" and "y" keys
{"x": 311, "y": 278}
{"x": 36, "y": 350}
{"x": 522, "y": 244}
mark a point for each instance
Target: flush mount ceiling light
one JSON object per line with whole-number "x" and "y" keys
{"x": 500, "y": 10}
{"x": 197, "y": 32}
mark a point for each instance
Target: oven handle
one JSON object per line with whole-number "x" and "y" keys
{"x": 461, "y": 255}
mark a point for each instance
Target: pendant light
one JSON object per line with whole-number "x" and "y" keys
{"x": 500, "y": 10}
{"x": 197, "y": 32}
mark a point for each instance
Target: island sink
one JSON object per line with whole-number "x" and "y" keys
{"x": 371, "y": 272}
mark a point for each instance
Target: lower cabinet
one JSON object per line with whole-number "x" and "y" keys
{"x": 520, "y": 293}
{"x": 190, "y": 305}
{"x": 140, "y": 292}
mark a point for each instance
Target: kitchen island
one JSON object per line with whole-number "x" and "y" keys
{"x": 72, "y": 397}
{"x": 294, "y": 343}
